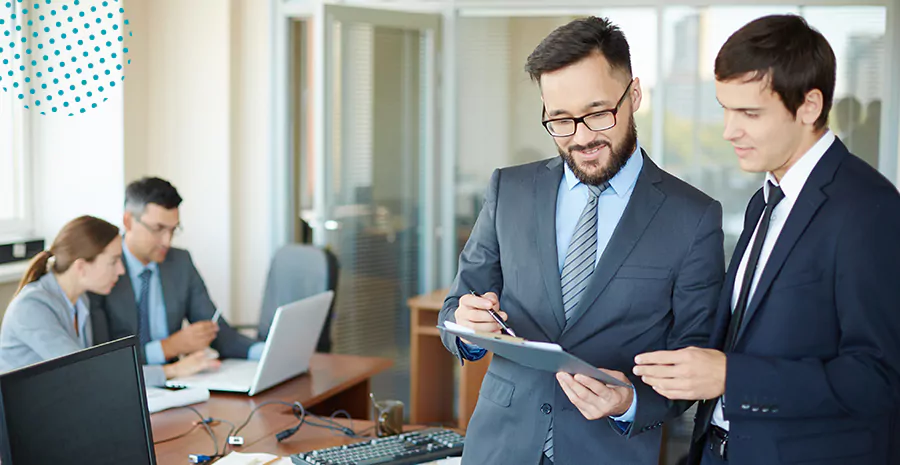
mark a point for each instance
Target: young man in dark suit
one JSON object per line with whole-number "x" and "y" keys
{"x": 806, "y": 359}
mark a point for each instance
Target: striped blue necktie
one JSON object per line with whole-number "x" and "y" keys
{"x": 577, "y": 269}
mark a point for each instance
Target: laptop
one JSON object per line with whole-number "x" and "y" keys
{"x": 292, "y": 339}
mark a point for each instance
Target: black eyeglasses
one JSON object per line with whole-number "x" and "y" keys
{"x": 158, "y": 230}
{"x": 599, "y": 121}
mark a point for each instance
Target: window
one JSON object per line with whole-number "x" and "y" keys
{"x": 14, "y": 176}
{"x": 693, "y": 122}
{"x": 498, "y": 109}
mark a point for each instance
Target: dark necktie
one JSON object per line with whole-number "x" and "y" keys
{"x": 775, "y": 196}
{"x": 707, "y": 409}
{"x": 144, "y": 308}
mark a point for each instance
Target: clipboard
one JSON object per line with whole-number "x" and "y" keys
{"x": 538, "y": 355}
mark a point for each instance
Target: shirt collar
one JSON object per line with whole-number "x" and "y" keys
{"x": 135, "y": 267}
{"x": 55, "y": 284}
{"x": 78, "y": 306}
{"x": 623, "y": 181}
{"x": 792, "y": 182}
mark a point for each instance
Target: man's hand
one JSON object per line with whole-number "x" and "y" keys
{"x": 195, "y": 337}
{"x": 192, "y": 364}
{"x": 594, "y": 399}
{"x": 686, "y": 374}
{"x": 472, "y": 313}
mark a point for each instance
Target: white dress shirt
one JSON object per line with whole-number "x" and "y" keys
{"x": 791, "y": 184}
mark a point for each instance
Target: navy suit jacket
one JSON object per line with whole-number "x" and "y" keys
{"x": 814, "y": 376}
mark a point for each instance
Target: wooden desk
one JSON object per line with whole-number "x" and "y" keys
{"x": 432, "y": 369}
{"x": 333, "y": 382}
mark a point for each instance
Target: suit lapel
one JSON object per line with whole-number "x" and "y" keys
{"x": 168, "y": 283}
{"x": 642, "y": 207}
{"x": 808, "y": 203}
{"x": 546, "y": 188}
{"x": 723, "y": 316}
{"x": 122, "y": 297}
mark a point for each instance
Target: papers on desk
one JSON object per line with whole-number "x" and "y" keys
{"x": 237, "y": 458}
{"x": 159, "y": 399}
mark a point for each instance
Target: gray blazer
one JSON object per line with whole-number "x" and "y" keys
{"x": 655, "y": 287}
{"x": 36, "y": 327}
{"x": 185, "y": 296}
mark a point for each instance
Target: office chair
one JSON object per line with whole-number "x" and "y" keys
{"x": 297, "y": 271}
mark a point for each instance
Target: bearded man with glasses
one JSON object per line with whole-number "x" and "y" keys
{"x": 597, "y": 250}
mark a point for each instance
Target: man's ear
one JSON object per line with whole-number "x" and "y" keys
{"x": 637, "y": 95}
{"x": 128, "y": 221}
{"x": 811, "y": 108}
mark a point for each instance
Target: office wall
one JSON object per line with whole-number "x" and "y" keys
{"x": 6, "y": 293}
{"x": 77, "y": 166}
{"x": 198, "y": 116}
{"x": 251, "y": 215}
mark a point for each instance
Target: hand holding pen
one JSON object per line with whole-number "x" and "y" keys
{"x": 481, "y": 313}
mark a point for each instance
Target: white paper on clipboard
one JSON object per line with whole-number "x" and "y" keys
{"x": 533, "y": 354}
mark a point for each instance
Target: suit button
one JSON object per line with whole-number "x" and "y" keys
{"x": 546, "y": 409}
{"x": 745, "y": 406}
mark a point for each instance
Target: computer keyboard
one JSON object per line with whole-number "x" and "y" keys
{"x": 407, "y": 448}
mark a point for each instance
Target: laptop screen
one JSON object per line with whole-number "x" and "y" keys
{"x": 87, "y": 407}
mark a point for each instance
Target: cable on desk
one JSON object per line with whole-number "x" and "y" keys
{"x": 224, "y": 446}
{"x": 162, "y": 441}
{"x": 327, "y": 423}
{"x": 205, "y": 422}
{"x": 252, "y": 412}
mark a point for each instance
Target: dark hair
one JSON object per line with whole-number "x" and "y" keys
{"x": 150, "y": 190}
{"x": 573, "y": 42}
{"x": 784, "y": 49}
{"x": 84, "y": 237}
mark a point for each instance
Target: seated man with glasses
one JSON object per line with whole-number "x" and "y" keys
{"x": 161, "y": 288}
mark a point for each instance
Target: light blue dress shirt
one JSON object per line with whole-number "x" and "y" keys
{"x": 571, "y": 198}
{"x": 570, "y": 201}
{"x": 159, "y": 323}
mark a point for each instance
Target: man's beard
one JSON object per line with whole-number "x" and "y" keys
{"x": 618, "y": 157}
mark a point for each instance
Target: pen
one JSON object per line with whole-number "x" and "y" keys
{"x": 497, "y": 318}
{"x": 215, "y": 317}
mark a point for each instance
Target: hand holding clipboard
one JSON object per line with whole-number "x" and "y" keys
{"x": 538, "y": 355}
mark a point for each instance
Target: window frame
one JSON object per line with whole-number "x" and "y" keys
{"x": 21, "y": 225}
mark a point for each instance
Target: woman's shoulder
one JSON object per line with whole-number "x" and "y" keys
{"x": 34, "y": 296}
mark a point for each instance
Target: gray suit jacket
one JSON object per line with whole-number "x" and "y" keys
{"x": 185, "y": 296}
{"x": 36, "y": 327}
{"x": 655, "y": 287}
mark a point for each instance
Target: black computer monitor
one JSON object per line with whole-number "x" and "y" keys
{"x": 88, "y": 407}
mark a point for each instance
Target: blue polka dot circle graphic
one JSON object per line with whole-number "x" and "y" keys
{"x": 62, "y": 57}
